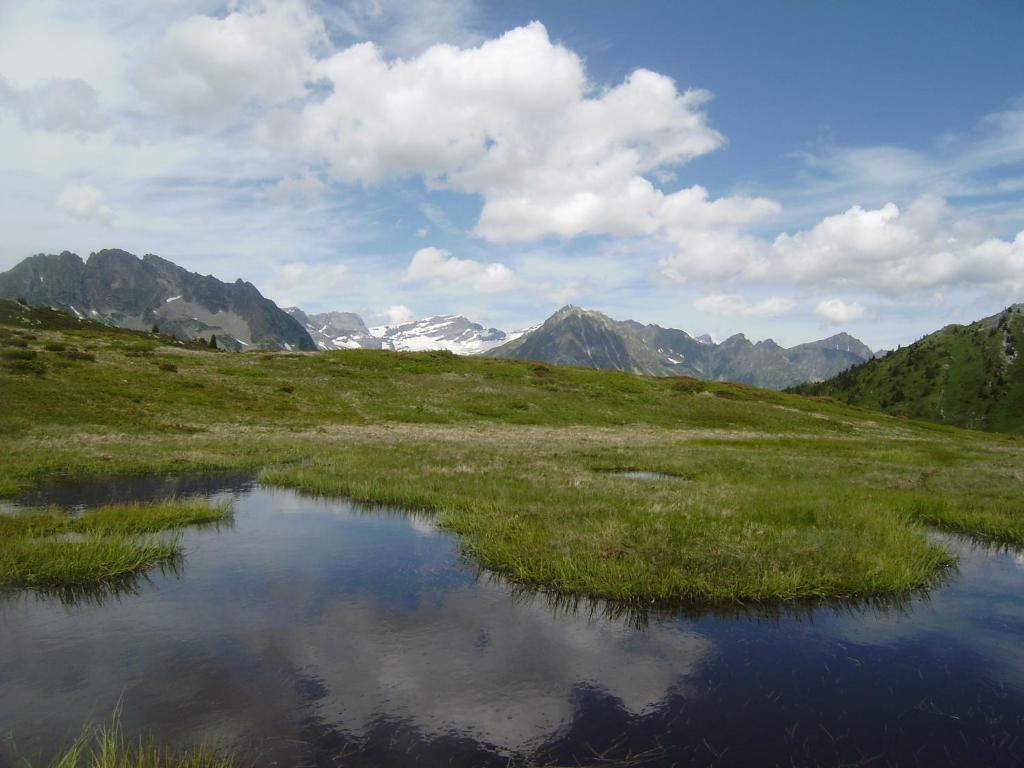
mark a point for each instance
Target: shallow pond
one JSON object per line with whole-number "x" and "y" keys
{"x": 316, "y": 632}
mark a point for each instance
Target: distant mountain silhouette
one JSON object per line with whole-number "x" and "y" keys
{"x": 119, "y": 288}
{"x": 580, "y": 337}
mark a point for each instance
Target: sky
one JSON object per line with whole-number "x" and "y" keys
{"x": 786, "y": 170}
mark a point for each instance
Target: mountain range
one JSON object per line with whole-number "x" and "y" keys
{"x": 966, "y": 375}
{"x": 347, "y": 330}
{"x": 580, "y": 337}
{"x": 118, "y": 288}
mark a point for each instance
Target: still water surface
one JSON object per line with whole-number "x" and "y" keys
{"x": 316, "y": 632}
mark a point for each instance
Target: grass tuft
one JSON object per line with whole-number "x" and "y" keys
{"x": 996, "y": 523}
{"x": 51, "y": 550}
{"x": 107, "y": 746}
{"x": 55, "y": 563}
{"x": 152, "y": 517}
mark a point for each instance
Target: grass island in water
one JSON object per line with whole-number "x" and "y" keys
{"x": 51, "y": 549}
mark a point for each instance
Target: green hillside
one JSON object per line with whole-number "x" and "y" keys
{"x": 967, "y": 375}
{"x": 771, "y": 496}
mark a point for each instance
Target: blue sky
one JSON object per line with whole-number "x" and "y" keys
{"x": 791, "y": 74}
{"x": 782, "y": 169}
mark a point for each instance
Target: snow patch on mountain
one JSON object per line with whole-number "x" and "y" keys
{"x": 455, "y": 333}
{"x": 450, "y": 332}
{"x": 336, "y": 330}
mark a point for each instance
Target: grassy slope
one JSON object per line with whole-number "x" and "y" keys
{"x": 784, "y": 496}
{"x": 958, "y": 375}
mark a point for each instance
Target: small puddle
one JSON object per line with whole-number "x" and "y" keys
{"x": 643, "y": 474}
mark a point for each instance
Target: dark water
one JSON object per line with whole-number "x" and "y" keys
{"x": 317, "y": 633}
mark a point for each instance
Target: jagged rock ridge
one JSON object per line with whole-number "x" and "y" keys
{"x": 575, "y": 336}
{"x": 119, "y": 288}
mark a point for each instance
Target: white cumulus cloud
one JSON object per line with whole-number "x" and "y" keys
{"x": 438, "y": 266}
{"x": 773, "y": 306}
{"x": 891, "y": 251}
{"x": 735, "y": 304}
{"x": 712, "y": 255}
{"x": 207, "y": 68}
{"x": 839, "y": 311}
{"x": 84, "y": 202}
{"x": 888, "y": 250}
{"x": 397, "y": 314}
{"x": 516, "y": 121}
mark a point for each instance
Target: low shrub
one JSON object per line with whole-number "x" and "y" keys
{"x": 689, "y": 385}
{"x": 76, "y": 354}
{"x": 18, "y": 354}
{"x": 540, "y": 369}
{"x": 25, "y": 366}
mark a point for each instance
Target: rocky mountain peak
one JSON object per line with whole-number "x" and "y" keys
{"x": 735, "y": 340}
{"x": 117, "y": 287}
{"x": 841, "y": 342}
{"x": 587, "y": 338}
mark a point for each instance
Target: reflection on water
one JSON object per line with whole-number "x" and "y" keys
{"x": 644, "y": 474}
{"x": 319, "y": 633}
{"x": 100, "y": 592}
{"x": 118, "y": 490}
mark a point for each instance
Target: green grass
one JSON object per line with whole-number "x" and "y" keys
{"x": 107, "y": 746}
{"x": 53, "y": 563}
{"x": 34, "y": 523}
{"x": 52, "y": 550}
{"x": 149, "y": 518}
{"x": 116, "y": 518}
{"x": 785, "y": 497}
{"x": 999, "y": 523}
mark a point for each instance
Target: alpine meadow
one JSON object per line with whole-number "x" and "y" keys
{"x": 511, "y": 386}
